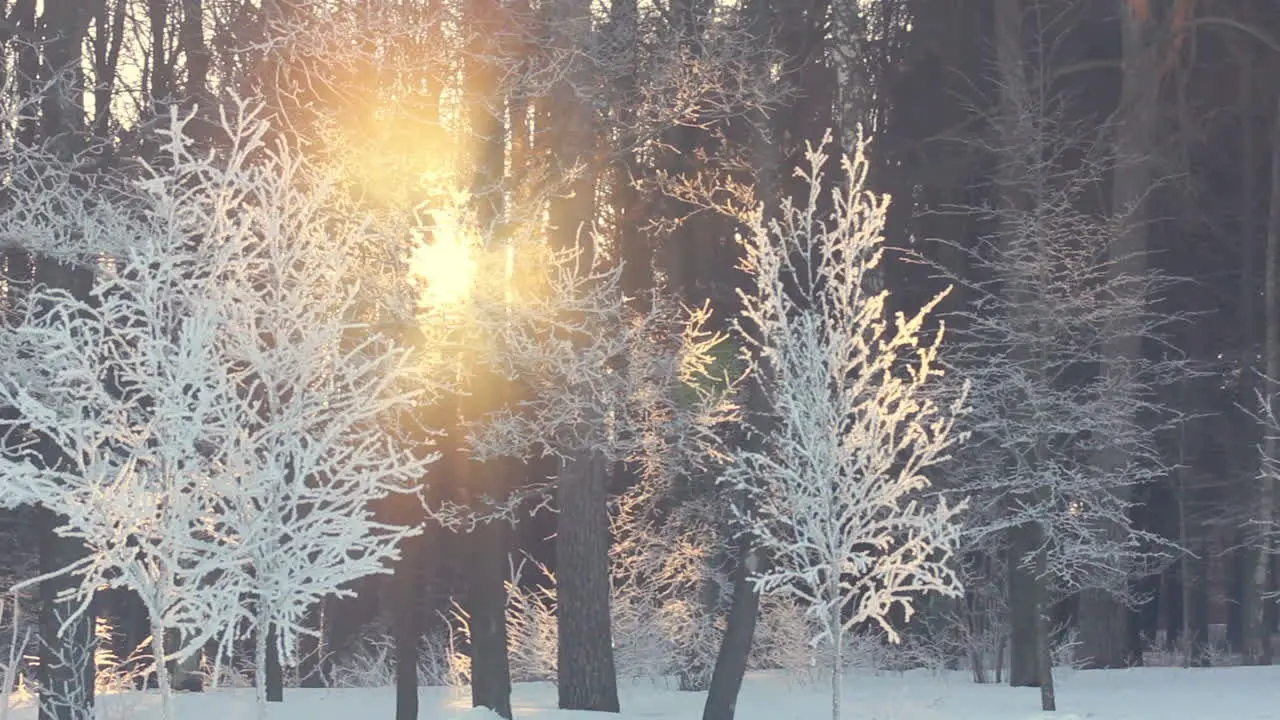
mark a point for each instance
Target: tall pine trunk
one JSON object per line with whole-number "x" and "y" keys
{"x": 67, "y": 670}
{"x": 406, "y": 587}
{"x": 1024, "y": 610}
{"x": 586, "y": 678}
{"x": 1105, "y": 637}
{"x": 1017, "y": 181}
{"x": 585, "y": 673}
{"x": 1258, "y": 630}
{"x": 486, "y": 595}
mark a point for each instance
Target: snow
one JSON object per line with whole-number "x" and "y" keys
{"x": 1136, "y": 694}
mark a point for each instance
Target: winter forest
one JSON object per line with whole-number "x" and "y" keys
{"x": 743, "y": 358}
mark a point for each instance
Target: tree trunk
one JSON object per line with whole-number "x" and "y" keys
{"x": 486, "y": 605}
{"x": 633, "y": 242}
{"x": 198, "y": 60}
{"x": 67, "y": 672}
{"x": 1024, "y": 610}
{"x": 108, "y": 40}
{"x": 1237, "y": 562}
{"x": 486, "y": 594}
{"x": 1025, "y": 593}
{"x": 1187, "y": 576}
{"x": 65, "y": 23}
{"x": 735, "y": 647}
{"x": 66, "y": 658}
{"x": 275, "y": 672}
{"x": 585, "y": 669}
{"x": 1197, "y": 611}
{"x": 1105, "y": 640}
{"x": 163, "y": 682}
{"x": 27, "y": 68}
{"x": 191, "y": 38}
{"x": 407, "y": 584}
{"x": 1257, "y": 631}
{"x": 1044, "y": 652}
{"x": 837, "y": 649}
{"x": 161, "y": 80}
{"x": 585, "y": 673}
{"x": 260, "y": 643}
{"x": 184, "y": 674}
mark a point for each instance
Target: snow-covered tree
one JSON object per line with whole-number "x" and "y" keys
{"x": 837, "y": 484}
{"x": 221, "y": 410}
{"x": 1044, "y": 303}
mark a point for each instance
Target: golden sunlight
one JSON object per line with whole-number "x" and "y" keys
{"x": 445, "y": 261}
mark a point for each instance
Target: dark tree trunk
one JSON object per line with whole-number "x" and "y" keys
{"x": 107, "y": 42}
{"x": 486, "y": 594}
{"x": 485, "y": 604}
{"x": 407, "y": 586}
{"x": 585, "y": 671}
{"x": 485, "y": 601}
{"x": 275, "y": 673}
{"x": 27, "y": 66}
{"x": 1237, "y": 564}
{"x": 735, "y": 648}
{"x": 586, "y": 678}
{"x": 191, "y": 37}
{"x": 633, "y": 242}
{"x": 1258, "y": 613}
{"x": 67, "y": 670}
{"x": 1105, "y": 640}
{"x": 63, "y": 27}
{"x": 1044, "y": 652}
{"x": 198, "y": 60}
{"x": 161, "y": 80}
{"x": 1197, "y": 601}
{"x": 1024, "y": 610}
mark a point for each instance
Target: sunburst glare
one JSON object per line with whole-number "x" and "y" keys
{"x": 444, "y": 259}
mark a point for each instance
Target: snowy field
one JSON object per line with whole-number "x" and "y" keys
{"x": 1137, "y": 694}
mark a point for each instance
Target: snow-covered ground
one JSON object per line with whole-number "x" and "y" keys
{"x": 1138, "y": 694}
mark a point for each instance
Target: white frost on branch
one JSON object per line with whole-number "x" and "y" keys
{"x": 215, "y": 420}
{"x": 838, "y": 484}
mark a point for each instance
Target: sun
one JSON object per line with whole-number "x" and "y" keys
{"x": 446, "y": 262}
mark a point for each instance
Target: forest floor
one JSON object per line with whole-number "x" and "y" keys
{"x": 1137, "y": 694}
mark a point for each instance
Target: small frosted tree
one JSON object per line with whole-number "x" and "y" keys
{"x": 838, "y": 483}
{"x": 221, "y": 414}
